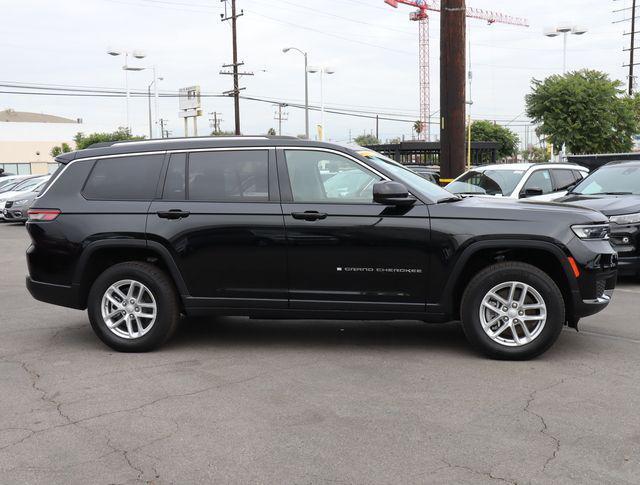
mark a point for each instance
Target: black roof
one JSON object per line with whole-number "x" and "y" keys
{"x": 123, "y": 147}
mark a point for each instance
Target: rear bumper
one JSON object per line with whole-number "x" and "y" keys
{"x": 67, "y": 296}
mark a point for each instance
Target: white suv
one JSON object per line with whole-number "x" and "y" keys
{"x": 535, "y": 181}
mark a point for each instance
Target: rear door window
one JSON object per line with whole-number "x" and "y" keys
{"x": 563, "y": 178}
{"x": 124, "y": 178}
{"x": 229, "y": 176}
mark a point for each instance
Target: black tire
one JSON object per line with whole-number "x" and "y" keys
{"x": 499, "y": 273}
{"x": 162, "y": 289}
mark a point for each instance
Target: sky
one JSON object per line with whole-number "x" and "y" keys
{"x": 372, "y": 48}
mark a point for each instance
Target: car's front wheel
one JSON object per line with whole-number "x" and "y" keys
{"x": 133, "y": 307}
{"x": 512, "y": 311}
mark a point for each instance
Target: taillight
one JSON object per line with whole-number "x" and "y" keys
{"x": 43, "y": 214}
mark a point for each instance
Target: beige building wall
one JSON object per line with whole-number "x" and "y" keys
{"x": 35, "y": 153}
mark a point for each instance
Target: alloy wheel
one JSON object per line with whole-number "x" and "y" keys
{"x": 513, "y": 314}
{"x": 129, "y": 309}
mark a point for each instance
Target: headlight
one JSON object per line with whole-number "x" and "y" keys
{"x": 20, "y": 202}
{"x": 592, "y": 231}
{"x": 626, "y": 219}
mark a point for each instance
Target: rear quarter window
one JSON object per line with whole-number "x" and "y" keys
{"x": 124, "y": 178}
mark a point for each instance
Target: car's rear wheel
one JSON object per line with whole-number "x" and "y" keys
{"x": 512, "y": 311}
{"x": 133, "y": 307}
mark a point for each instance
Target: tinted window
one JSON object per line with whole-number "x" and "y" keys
{"x": 124, "y": 178}
{"x": 174, "y": 184}
{"x": 579, "y": 175}
{"x": 564, "y": 178}
{"x": 491, "y": 182}
{"x": 540, "y": 179}
{"x": 241, "y": 175}
{"x": 326, "y": 177}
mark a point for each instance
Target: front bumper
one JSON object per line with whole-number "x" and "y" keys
{"x": 17, "y": 214}
{"x": 593, "y": 289}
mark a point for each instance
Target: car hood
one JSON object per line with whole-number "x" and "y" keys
{"x": 525, "y": 210}
{"x": 609, "y": 205}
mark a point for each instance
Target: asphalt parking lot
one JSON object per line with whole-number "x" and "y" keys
{"x": 289, "y": 402}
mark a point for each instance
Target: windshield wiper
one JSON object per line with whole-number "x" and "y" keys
{"x": 613, "y": 193}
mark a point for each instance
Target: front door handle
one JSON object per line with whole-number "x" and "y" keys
{"x": 173, "y": 214}
{"x": 309, "y": 215}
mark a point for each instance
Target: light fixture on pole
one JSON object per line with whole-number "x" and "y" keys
{"x": 322, "y": 70}
{"x": 306, "y": 87}
{"x": 564, "y": 29}
{"x": 126, "y": 68}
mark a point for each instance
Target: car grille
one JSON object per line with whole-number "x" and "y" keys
{"x": 625, "y": 240}
{"x": 8, "y": 204}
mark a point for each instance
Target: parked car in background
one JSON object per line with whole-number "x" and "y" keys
{"x": 25, "y": 186}
{"x": 10, "y": 181}
{"x": 614, "y": 190}
{"x": 537, "y": 181}
{"x": 16, "y": 208}
{"x": 429, "y": 172}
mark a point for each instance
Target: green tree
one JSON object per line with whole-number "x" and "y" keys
{"x": 483, "y": 130}
{"x": 586, "y": 110}
{"x": 364, "y": 140}
{"x": 418, "y": 127}
{"x": 271, "y": 131}
{"x": 57, "y": 150}
{"x": 83, "y": 141}
{"x": 222, "y": 133}
{"x": 535, "y": 154}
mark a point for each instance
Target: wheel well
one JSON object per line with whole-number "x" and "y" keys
{"x": 540, "y": 258}
{"x": 104, "y": 258}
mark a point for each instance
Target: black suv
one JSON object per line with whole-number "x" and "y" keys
{"x": 142, "y": 232}
{"x": 614, "y": 190}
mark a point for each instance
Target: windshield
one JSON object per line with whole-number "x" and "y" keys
{"x": 430, "y": 189}
{"x": 490, "y": 182}
{"x": 615, "y": 179}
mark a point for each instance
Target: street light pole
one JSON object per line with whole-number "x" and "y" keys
{"x": 126, "y": 68}
{"x": 306, "y": 87}
{"x": 322, "y": 71}
{"x": 565, "y": 30}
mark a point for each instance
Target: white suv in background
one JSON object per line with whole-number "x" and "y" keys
{"x": 535, "y": 181}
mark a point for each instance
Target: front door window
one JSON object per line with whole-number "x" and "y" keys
{"x": 317, "y": 176}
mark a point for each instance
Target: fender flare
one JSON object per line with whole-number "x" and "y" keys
{"x": 559, "y": 252}
{"x": 157, "y": 248}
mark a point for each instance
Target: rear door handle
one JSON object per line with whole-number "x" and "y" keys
{"x": 309, "y": 215}
{"x": 173, "y": 214}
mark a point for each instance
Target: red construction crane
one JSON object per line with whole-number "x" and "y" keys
{"x": 422, "y": 17}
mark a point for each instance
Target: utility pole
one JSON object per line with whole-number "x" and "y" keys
{"x": 280, "y": 116}
{"x": 377, "y": 127}
{"x": 235, "y": 92}
{"x": 452, "y": 92}
{"x": 632, "y": 48}
{"x": 162, "y": 129}
{"x": 215, "y": 121}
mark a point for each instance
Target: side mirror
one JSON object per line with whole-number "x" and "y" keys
{"x": 392, "y": 193}
{"x": 570, "y": 188}
{"x": 531, "y": 192}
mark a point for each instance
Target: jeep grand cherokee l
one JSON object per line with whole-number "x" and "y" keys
{"x": 142, "y": 232}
